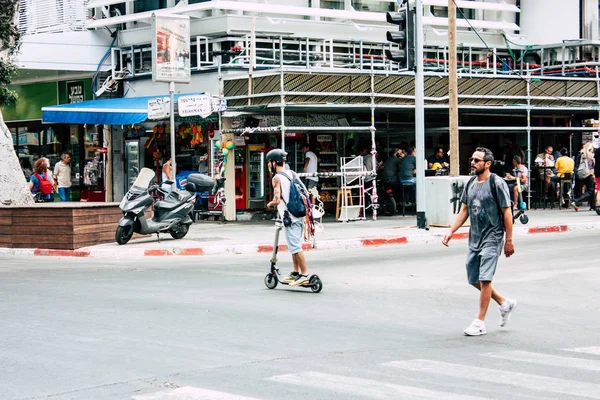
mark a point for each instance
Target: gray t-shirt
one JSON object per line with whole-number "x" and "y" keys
{"x": 487, "y": 227}
{"x": 409, "y": 164}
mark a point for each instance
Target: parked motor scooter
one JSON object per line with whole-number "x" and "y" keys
{"x": 171, "y": 215}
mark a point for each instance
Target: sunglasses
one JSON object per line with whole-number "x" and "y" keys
{"x": 475, "y": 160}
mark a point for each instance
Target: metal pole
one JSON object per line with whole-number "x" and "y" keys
{"x": 172, "y": 135}
{"x": 420, "y": 117}
{"x": 528, "y": 137}
{"x": 373, "y": 149}
{"x": 282, "y": 87}
{"x": 453, "y": 89}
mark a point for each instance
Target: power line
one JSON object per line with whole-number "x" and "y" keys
{"x": 511, "y": 69}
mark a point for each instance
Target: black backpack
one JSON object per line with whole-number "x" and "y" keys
{"x": 298, "y": 198}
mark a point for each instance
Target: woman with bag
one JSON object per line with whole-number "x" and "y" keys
{"x": 40, "y": 184}
{"x": 585, "y": 172}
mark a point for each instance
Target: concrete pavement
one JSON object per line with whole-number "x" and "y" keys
{"x": 387, "y": 325}
{"x": 251, "y": 237}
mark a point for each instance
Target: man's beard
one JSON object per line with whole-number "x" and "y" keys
{"x": 479, "y": 171}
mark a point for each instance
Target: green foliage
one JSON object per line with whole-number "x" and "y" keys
{"x": 10, "y": 41}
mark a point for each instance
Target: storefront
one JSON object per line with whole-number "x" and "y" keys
{"x": 34, "y": 139}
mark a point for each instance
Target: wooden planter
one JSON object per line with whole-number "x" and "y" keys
{"x": 65, "y": 226}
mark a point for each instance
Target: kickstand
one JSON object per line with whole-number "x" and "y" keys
{"x": 158, "y": 237}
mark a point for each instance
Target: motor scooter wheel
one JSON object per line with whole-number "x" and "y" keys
{"x": 180, "y": 231}
{"x": 389, "y": 208}
{"x": 316, "y": 284}
{"x": 271, "y": 281}
{"x": 524, "y": 219}
{"x": 124, "y": 233}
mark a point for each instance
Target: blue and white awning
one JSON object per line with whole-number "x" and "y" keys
{"x": 123, "y": 111}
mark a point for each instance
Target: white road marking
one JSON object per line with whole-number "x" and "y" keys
{"x": 532, "y": 382}
{"x": 595, "y": 350}
{"x": 190, "y": 393}
{"x": 365, "y": 387}
{"x": 547, "y": 359}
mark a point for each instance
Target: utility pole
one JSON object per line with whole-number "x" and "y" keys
{"x": 420, "y": 116}
{"x": 453, "y": 89}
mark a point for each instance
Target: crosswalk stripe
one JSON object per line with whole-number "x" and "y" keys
{"x": 548, "y": 359}
{"x": 365, "y": 387}
{"x": 532, "y": 382}
{"x": 190, "y": 393}
{"x": 595, "y": 350}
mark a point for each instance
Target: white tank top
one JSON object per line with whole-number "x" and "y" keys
{"x": 285, "y": 193}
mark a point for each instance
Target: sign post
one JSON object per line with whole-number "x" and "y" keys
{"x": 171, "y": 61}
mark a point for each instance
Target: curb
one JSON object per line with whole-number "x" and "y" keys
{"x": 335, "y": 244}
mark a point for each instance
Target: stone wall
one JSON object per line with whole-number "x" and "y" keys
{"x": 14, "y": 190}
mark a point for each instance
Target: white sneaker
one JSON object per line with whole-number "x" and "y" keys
{"x": 505, "y": 310}
{"x": 300, "y": 280}
{"x": 477, "y": 328}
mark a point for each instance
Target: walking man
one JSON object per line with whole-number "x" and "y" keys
{"x": 490, "y": 217}
{"x": 62, "y": 175}
{"x": 293, "y": 226}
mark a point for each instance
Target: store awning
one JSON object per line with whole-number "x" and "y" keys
{"x": 123, "y": 111}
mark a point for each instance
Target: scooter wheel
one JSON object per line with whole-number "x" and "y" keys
{"x": 124, "y": 233}
{"x": 389, "y": 208}
{"x": 524, "y": 219}
{"x": 271, "y": 281}
{"x": 316, "y": 284}
{"x": 180, "y": 231}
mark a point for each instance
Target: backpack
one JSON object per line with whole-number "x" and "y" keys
{"x": 494, "y": 194}
{"x": 583, "y": 169}
{"x": 298, "y": 198}
{"x": 45, "y": 186}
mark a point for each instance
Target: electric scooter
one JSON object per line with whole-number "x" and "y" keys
{"x": 171, "y": 215}
{"x": 272, "y": 279}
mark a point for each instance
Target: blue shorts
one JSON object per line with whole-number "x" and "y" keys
{"x": 481, "y": 265}
{"x": 294, "y": 235}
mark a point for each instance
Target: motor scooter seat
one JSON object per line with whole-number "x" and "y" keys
{"x": 173, "y": 200}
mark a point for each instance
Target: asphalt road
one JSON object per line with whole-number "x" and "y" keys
{"x": 387, "y": 325}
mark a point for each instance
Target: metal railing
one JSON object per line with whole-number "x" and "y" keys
{"x": 52, "y": 16}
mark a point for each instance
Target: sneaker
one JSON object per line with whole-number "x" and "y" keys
{"x": 300, "y": 280}
{"x": 505, "y": 310}
{"x": 477, "y": 328}
{"x": 291, "y": 277}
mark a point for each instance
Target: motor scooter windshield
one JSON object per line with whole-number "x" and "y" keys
{"x": 143, "y": 179}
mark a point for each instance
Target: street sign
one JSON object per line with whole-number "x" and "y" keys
{"x": 200, "y": 105}
{"x": 219, "y": 103}
{"x": 159, "y": 108}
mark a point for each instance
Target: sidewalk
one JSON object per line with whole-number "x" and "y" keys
{"x": 250, "y": 237}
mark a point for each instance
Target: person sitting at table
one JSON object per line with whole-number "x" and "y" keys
{"x": 545, "y": 160}
{"x": 439, "y": 158}
{"x": 564, "y": 165}
{"x": 391, "y": 167}
{"x": 521, "y": 174}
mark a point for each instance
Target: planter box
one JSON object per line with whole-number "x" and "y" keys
{"x": 64, "y": 226}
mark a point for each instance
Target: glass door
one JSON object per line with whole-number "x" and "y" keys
{"x": 256, "y": 176}
{"x": 132, "y": 160}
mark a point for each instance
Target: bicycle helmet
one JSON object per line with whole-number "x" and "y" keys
{"x": 277, "y": 155}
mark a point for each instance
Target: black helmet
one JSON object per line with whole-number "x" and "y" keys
{"x": 277, "y": 155}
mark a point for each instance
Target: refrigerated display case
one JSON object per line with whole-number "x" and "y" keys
{"x": 295, "y": 156}
{"x": 134, "y": 159}
{"x": 256, "y": 176}
{"x": 241, "y": 193}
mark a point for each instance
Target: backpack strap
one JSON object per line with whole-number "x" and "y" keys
{"x": 281, "y": 173}
{"x": 493, "y": 178}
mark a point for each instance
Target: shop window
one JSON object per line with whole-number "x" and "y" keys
{"x": 332, "y": 4}
{"x": 442, "y": 12}
{"x": 373, "y": 5}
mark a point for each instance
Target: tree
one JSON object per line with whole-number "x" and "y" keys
{"x": 10, "y": 41}
{"x": 13, "y": 186}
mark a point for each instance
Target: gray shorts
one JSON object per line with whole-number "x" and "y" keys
{"x": 294, "y": 235}
{"x": 481, "y": 265}
{"x": 310, "y": 184}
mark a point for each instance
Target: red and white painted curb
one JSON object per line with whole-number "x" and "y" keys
{"x": 426, "y": 237}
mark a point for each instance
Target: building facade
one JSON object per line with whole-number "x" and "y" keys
{"x": 310, "y": 71}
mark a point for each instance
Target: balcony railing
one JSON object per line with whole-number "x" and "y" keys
{"x": 52, "y": 16}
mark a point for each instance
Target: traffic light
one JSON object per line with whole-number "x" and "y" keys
{"x": 404, "y": 38}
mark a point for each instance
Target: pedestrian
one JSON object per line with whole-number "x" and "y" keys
{"x": 62, "y": 176}
{"x": 310, "y": 166}
{"x": 293, "y": 226}
{"x": 490, "y": 217}
{"x": 40, "y": 183}
{"x": 586, "y": 156}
